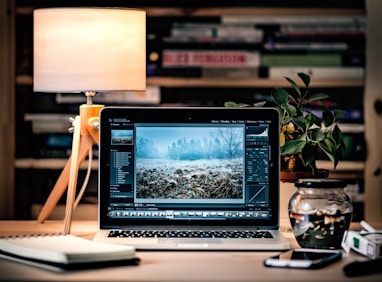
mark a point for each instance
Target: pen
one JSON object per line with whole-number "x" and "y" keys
{"x": 359, "y": 268}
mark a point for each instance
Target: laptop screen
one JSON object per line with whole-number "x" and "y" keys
{"x": 189, "y": 166}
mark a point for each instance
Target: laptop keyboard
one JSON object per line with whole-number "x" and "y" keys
{"x": 189, "y": 234}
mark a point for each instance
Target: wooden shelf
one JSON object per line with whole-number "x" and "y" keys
{"x": 225, "y": 82}
{"x": 247, "y": 82}
{"x": 342, "y": 165}
{"x": 351, "y": 170}
{"x": 54, "y": 164}
{"x": 218, "y": 11}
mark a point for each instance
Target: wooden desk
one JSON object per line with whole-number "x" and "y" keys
{"x": 169, "y": 266}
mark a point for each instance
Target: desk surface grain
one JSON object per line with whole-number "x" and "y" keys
{"x": 168, "y": 266}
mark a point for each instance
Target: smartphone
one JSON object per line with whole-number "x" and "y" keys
{"x": 304, "y": 258}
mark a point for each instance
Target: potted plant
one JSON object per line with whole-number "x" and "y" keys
{"x": 303, "y": 132}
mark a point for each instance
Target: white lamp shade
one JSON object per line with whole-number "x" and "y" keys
{"x": 89, "y": 49}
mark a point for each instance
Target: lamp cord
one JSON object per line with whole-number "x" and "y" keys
{"x": 86, "y": 180}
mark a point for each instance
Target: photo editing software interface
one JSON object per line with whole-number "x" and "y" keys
{"x": 215, "y": 170}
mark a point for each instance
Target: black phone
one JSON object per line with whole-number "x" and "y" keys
{"x": 304, "y": 258}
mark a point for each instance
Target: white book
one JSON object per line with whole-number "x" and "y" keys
{"x": 319, "y": 72}
{"x": 64, "y": 250}
{"x": 216, "y": 30}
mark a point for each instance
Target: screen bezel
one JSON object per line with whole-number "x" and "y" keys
{"x": 187, "y": 115}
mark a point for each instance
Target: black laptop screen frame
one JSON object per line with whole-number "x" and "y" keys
{"x": 192, "y": 115}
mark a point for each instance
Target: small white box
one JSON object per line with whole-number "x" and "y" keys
{"x": 366, "y": 243}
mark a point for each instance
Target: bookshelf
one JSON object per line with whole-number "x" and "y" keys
{"x": 246, "y": 82}
{"x": 174, "y": 90}
{"x": 223, "y": 82}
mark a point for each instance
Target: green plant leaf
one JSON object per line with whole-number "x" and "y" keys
{"x": 330, "y": 145}
{"x": 300, "y": 122}
{"x": 316, "y": 97}
{"x": 230, "y": 104}
{"x": 338, "y": 113}
{"x": 309, "y": 120}
{"x": 305, "y": 78}
{"x": 332, "y": 157}
{"x": 259, "y": 104}
{"x": 302, "y": 137}
{"x": 317, "y": 120}
{"x": 291, "y": 110}
{"x": 294, "y": 85}
{"x": 327, "y": 118}
{"x": 317, "y": 135}
{"x": 293, "y": 147}
{"x": 308, "y": 155}
{"x": 338, "y": 137}
{"x": 280, "y": 96}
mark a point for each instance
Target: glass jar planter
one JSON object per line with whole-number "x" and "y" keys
{"x": 320, "y": 212}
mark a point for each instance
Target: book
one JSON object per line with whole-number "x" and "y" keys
{"x": 317, "y": 29}
{"x": 233, "y": 40}
{"x": 210, "y": 58}
{"x": 295, "y": 19}
{"x": 307, "y": 60}
{"x": 65, "y": 251}
{"x": 318, "y": 72}
{"x": 211, "y": 72}
{"x": 215, "y": 32}
{"x": 306, "y": 46}
{"x": 234, "y": 73}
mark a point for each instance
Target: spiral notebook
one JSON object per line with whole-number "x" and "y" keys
{"x": 65, "y": 252}
{"x": 190, "y": 178}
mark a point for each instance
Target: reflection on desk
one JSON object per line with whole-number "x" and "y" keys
{"x": 170, "y": 266}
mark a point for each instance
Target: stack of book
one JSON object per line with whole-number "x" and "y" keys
{"x": 326, "y": 47}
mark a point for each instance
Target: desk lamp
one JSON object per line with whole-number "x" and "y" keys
{"x": 86, "y": 50}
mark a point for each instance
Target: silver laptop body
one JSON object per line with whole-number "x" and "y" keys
{"x": 190, "y": 178}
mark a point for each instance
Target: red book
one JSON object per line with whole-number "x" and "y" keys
{"x": 205, "y": 58}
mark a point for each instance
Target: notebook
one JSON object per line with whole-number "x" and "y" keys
{"x": 190, "y": 178}
{"x": 65, "y": 252}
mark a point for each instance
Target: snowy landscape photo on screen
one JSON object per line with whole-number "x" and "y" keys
{"x": 193, "y": 162}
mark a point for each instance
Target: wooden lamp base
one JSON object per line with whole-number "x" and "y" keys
{"x": 85, "y": 135}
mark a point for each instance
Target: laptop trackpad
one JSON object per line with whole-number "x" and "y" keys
{"x": 191, "y": 242}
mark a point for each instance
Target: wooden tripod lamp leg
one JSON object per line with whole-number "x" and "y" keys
{"x": 85, "y": 135}
{"x": 63, "y": 180}
{"x": 73, "y": 175}
{"x": 58, "y": 189}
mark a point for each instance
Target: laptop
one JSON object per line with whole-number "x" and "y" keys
{"x": 190, "y": 178}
